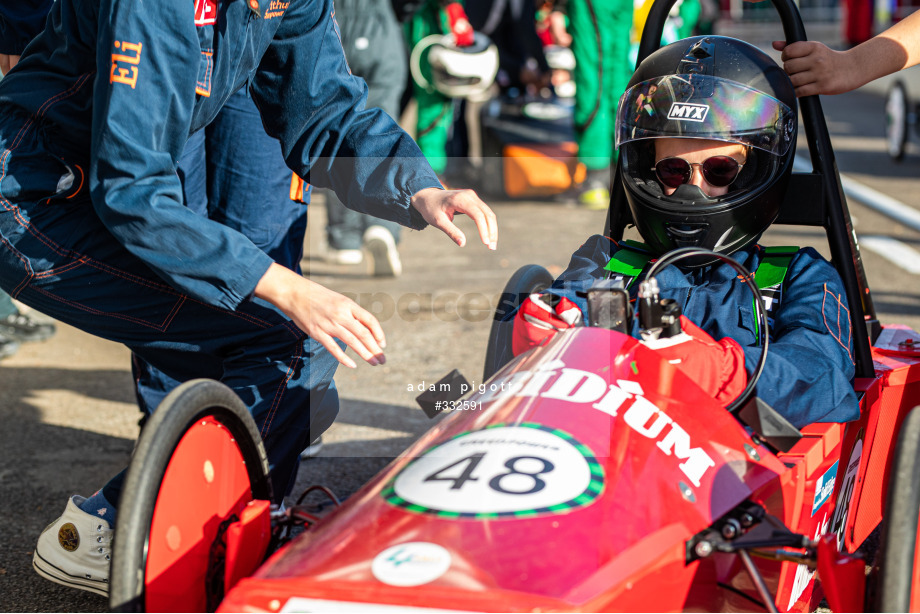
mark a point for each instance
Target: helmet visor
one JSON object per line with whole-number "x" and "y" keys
{"x": 704, "y": 107}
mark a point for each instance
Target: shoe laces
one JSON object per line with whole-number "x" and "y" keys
{"x": 104, "y": 540}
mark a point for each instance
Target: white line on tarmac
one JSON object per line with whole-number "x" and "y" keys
{"x": 897, "y": 252}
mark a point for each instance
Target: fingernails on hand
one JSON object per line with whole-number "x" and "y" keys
{"x": 348, "y": 362}
{"x": 493, "y": 245}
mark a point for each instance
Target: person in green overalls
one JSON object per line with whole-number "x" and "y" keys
{"x": 435, "y": 110}
{"x": 604, "y": 63}
{"x": 600, "y": 42}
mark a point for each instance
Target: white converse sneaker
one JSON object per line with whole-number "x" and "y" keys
{"x": 382, "y": 247}
{"x": 75, "y": 550}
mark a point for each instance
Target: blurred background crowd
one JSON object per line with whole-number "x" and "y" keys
{"x": 517, "y": 98}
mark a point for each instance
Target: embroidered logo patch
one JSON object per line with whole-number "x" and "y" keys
{"x": 205, "y": 12}
{"x": 68, "y": 537}
{"x": 685, "y": 111}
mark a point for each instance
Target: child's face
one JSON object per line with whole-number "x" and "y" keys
{"x": 696, "y": 151}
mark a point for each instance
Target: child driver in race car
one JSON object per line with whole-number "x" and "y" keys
{"x": 706, "y": 164}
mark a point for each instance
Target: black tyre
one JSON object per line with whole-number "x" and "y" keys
{"x": 198, "y": 460}
{"x": 897, "y": 119}
{"x": 896, "y": 589}
{"x": 525, "y": 281}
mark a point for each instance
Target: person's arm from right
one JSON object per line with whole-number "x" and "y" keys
{"x": 814, "y": 68}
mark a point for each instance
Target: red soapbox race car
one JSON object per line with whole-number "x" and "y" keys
{"x": 574, "y": 488}
{"x": 589, "y": 475}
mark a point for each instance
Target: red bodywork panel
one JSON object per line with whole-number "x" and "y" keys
{"x": 576, "y": 488}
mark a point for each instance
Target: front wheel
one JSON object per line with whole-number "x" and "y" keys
{"x": 198, "y": 464}
{"x": 525, "y": 281}
{"x": 898, "y": 581}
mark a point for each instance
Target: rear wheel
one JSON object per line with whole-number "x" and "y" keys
{"x": 896, "y": 120}
{"x": 199, "y": 461}
{"x": 898, "y": 580}
{"x": 525, "y": 281}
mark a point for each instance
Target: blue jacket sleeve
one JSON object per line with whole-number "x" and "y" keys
{"x": 327, "y": 136}
{"x": 20, "y": 21}
{"x": 809, "y": 369}
{"x": 144, "y": 95}
{"x": 585, "y": 268}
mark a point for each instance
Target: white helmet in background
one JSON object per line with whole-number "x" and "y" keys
{"x": 437, "y": 63}
{"x": 559, "y": 58}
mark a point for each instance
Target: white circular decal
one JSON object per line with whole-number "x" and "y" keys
{"x": 520, "y": 470}
{"x": 411, "y": 564}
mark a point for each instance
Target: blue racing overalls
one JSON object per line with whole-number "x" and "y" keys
{"x": 93, "y": 230}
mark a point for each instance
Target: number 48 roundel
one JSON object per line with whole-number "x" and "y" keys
{"x": 500, "y": 471}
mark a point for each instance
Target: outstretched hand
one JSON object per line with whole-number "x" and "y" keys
{"x": 814, "y": 68}
{"x": 438, "y": 208}
{"x": 325, "y": 315}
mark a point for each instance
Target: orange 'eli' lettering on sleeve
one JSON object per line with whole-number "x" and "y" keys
{"x": 128, "y": 53}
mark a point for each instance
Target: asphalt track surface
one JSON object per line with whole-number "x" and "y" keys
{"x": 67, "y": 406}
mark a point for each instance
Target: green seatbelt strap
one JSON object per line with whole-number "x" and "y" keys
{"x": 628, "y": 261}
{"x": 769, "y": 278}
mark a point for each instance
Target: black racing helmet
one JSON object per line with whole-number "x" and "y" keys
{"x": 713, "y": 88}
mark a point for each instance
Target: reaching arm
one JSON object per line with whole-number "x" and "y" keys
{"x": 816, "y": 69}
{"x": 317, "y": 111}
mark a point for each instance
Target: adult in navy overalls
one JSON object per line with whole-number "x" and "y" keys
{"x": 93, "y": 230}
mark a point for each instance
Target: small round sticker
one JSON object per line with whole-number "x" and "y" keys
{"x": 411, "y": 564}
{"x": 518, "y": 471}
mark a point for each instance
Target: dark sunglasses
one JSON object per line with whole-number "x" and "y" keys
{"x": 719, "y": 171}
